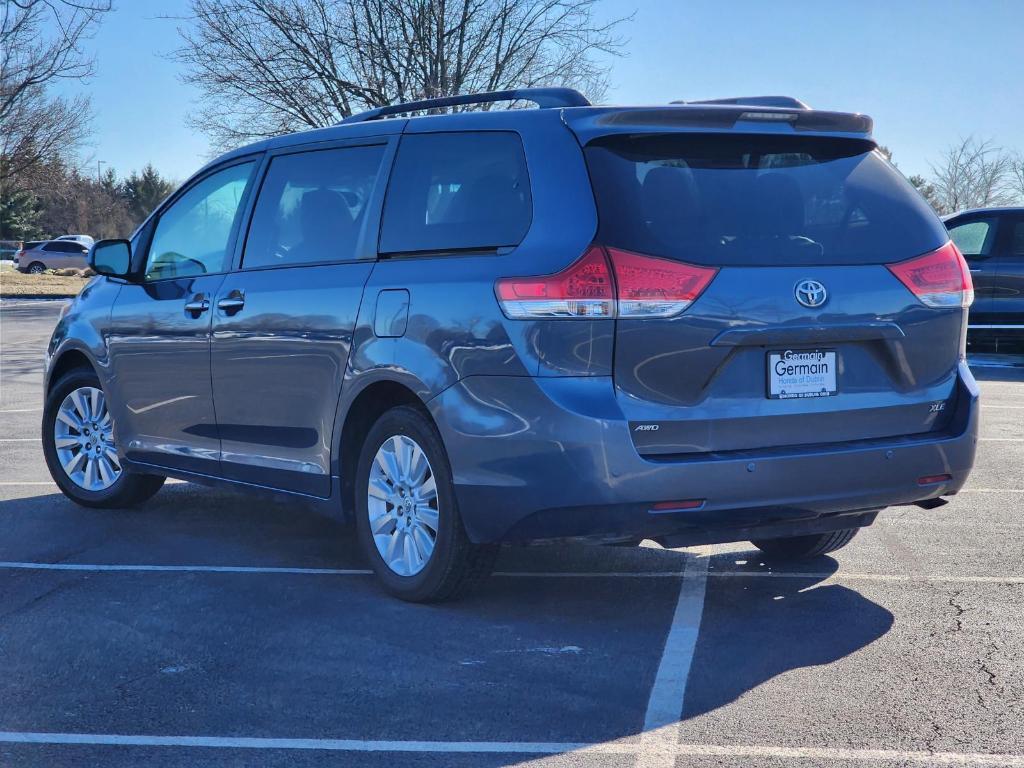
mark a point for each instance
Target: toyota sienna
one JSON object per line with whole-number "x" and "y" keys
{"x": 705, "y": 322}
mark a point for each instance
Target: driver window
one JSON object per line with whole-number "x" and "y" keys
{"x": 191, "y": 237}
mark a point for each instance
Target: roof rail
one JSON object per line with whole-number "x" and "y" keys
{"x": 545, "y": 98}
{"x": 786, "y": 102}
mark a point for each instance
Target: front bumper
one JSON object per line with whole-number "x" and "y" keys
{"x": 536, "y": 458}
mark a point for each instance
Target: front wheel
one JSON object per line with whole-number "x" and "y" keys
{"x": 407, "y": 517}
{"x": 806, "y": 547}
{"x": 80, "y": 450}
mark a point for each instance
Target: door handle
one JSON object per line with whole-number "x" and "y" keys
{"x": 232, "y": 303}
{"x": 198, "y": 305}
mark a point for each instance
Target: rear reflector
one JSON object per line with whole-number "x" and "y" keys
{"x": 672, "y": 506}
{"x": 933, "y": 479}
{"x": 606, "y": 282}
{"x": 939, "y": 279}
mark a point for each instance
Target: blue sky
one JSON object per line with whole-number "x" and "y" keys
{"x": 928, "y": 71}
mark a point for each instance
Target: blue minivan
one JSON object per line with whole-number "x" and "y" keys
{"x": 704, "y": 322}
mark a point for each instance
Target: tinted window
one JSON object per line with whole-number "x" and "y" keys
{"x": 191, "y": 237}
{"x": 457, "y": 191}
{"x": 312, "y": 206}
{"x": 1017, "y": 241}
{"x": 741, "y": 199}
{"x": 64, "y": 246}
{"x": 973, "y": 238}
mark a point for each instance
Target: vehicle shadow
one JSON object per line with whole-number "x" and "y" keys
{"x": 757, "y": 627}
{"x": 526, "y": 648}
{"x": 756, "y": 624}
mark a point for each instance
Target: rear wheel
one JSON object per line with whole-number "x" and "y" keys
{"x": 804, "y": 547}
{"x": 406, "y": 514}
{"x": 80, "y": 449}
{"x": 36, "y": 268}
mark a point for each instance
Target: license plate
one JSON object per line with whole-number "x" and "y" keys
{"x": 801, "y": 373}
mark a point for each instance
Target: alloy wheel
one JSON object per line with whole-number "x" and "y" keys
{"x": 83, "y": 435}
{"x": 402, "y": 505}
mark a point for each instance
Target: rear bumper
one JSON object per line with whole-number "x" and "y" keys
{"x": 537, "y": 458}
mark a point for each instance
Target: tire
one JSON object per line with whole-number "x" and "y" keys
{"x": 806, "y": 547}
{"x": 128, "y": 489}
{"x": 454, "y": 564}
{"x": 36, "y": 268}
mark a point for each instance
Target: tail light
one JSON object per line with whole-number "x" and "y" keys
{"x": 584, "y": 289}
{"x": 939, "y": 279}
{"x": 606, "y": 282}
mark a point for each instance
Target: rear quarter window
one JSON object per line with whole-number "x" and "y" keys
{"x": 452, "y": 192}
{"x": 757, "y": 200}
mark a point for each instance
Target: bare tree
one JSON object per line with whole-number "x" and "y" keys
{"x": 40, "y": 44}
{"x": 1017, "y": 176}
{"x": 972, "y": 174}
{"x": 266, "y": 67}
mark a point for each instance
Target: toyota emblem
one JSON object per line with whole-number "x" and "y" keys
{"x": 811, "y": 293}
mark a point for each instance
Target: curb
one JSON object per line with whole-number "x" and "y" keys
{"x": 37, "y": 296}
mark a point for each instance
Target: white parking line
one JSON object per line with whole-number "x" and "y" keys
{"x": 668, "y": 694}
{"x": 16, "y": 483}
{"x": 1005, "y": 407}
{"x": 92, "y": 567}
{"x": 21, "y": 410}
{"x": 991, "y": 490}
{"x": 819, "y": 575}
{"x": 254, "y": 569}
{"x": 667, "y": 750}
{"x": 1001, "y": 439}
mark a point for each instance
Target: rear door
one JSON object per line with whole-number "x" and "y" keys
{"x": 977, "y": 235}
{"x": 800, "y": 332}
{"x": 62, "y": 254}
{"x": 283, "y": 322}
{"x": 1008, "y": 289}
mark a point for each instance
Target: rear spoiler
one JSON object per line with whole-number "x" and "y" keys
{"x": 589, "y": 123}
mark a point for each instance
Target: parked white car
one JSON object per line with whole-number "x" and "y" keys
{"x": 85, "y": 240}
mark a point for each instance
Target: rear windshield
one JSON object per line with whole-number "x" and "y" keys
{"x": 757, "y": 200}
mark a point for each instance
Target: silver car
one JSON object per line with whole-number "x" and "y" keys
{"x": 51, "y": 254}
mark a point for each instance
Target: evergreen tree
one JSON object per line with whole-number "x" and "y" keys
{"x": 144, "y": 191}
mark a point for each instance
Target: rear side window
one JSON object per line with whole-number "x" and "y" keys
{"x": 312, "y": 206}
{"x": 457, "y": 192}
{"x": 1017, "y": 241}
{"x": 757, "y": 200}
{"x": 974, "y": 238}
{"x": 63, "y": 246}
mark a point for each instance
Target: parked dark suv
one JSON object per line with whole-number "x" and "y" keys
{"x": 699, "y": 323}
{"x": 992, "y": 241}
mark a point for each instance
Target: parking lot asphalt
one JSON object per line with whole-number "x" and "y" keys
{"x": 209, "y": 628}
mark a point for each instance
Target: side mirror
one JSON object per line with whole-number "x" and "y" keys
{"x": 111, "y": 257}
